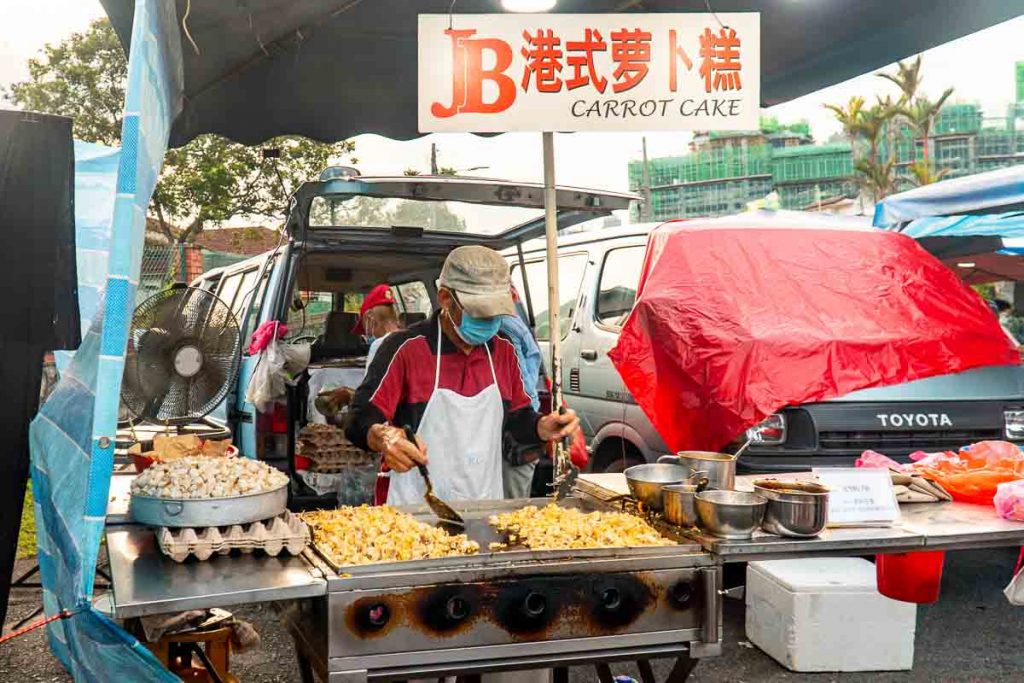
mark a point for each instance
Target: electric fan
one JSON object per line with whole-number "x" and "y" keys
{"x": 183, "y": 355}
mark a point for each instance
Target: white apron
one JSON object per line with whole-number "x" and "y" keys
{"x": 463, "y": 437}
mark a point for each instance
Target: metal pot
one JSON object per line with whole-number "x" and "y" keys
{"x": 679, "y": 504}
{"x": 646, "y": 481}
{"x": 730, "y": 514}
{"x": 795, "y": 509}
{"x": 720, "y": 468}
{"x": 204, "y": 512}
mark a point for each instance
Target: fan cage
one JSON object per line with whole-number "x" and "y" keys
{"x": 162, "y": 325}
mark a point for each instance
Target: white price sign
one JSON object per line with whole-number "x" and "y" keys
{"x": 589, "y": 72}
{"x": 859, "y": 496}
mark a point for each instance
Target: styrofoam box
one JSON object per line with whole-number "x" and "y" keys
{"x": 826, "y": 614}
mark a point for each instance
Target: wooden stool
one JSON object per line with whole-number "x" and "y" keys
{"x": 213, "y": 648}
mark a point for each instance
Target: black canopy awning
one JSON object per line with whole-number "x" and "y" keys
{"x": 331, "y": 69}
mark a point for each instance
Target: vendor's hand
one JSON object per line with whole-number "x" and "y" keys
{"x": 398, "y": 453}
{"x": 553, "y": 427}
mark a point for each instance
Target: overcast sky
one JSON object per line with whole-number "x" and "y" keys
{"x": 979, "y": 66}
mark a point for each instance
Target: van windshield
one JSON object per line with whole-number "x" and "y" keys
{"x": 446, "y": 216}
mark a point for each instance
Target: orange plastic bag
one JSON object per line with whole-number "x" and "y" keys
{"x": 972, "y": 475}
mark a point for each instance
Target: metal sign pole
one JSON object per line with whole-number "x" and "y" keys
{"x": 562, "y": 463}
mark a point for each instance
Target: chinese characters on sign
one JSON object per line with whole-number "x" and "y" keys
{"x": 861, "y": 496}
{"x": 564, "y": 72}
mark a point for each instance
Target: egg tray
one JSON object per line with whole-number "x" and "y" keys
{"x": 315, "y": 436}
{"x": 336, "y": 460}
{"x": 284, "y": 533}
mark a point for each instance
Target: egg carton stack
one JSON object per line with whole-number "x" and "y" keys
{"x": 329, "y": 450}
{"x": 284, "y": 533}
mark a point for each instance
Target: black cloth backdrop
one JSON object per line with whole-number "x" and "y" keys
{"x": 39, "y": 301}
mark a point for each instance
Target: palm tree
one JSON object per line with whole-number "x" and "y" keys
{"x": 877, "y": 177}
{"x": 869, "y": 125}
{"x": 878, "y": 174}
{"x": 922, "y": 174}
{"x": 921, "y": 114}
{"x": 907, "y": 78}
{"x": 849, "y": 116}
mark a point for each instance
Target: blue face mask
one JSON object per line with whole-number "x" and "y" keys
{"x": 370, "y": 339}
{"x": 477, "y": 331}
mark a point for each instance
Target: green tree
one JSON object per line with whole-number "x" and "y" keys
{"x": 907, "y": 78}
{"x": 865, "y": 127}
{"x": 430, "y": 215}
{"x": 202, "y": 183}
{"x": 878, "y": 172}
{"x": 82, "y": 77}
{"x": 212, "y": 179}
{"x": 921, "y": 113}
{"x": 923, "y": 174}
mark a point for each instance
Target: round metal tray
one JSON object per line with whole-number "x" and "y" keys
{"x": 203, "y": 512}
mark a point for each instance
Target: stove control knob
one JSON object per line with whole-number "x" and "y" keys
{"x": 535, "y": 605}
{"x": 456, "y": 608}
{"x": 611, "y": 599}
{"x": 681, "y": 594}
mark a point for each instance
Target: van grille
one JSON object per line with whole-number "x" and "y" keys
{"x": 904, "y": 441}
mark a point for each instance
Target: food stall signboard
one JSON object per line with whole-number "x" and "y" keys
{"x": 859, "y": 496}
{"x": 496, "y": 73}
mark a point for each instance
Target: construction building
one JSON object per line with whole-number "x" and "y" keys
{"x": 725, "y": 171}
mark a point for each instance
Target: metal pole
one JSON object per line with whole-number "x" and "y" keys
{"x": 530, "y": 318}
{"x": 551, "y": 235}
{"x": 554, "y": 327}
{"x": 647, "y": 211}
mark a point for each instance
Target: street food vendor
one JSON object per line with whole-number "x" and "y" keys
{"x": 377, "y": 319}
{"x": 458, "y": 384}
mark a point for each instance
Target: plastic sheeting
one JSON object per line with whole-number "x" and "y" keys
{"x": 331, "y": 69}
{"x": 755, "y": 312}
{"x": 72, "y": 439}
{"x": 999, "y": 191}
{"x": 95, "y": 190}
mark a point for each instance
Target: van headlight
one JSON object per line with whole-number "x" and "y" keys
{"x": 1014, "y": 424}
{"x": 772, "y": 432}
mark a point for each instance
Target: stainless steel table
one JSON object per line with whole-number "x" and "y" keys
{"x": 145, "y": 581}
{"x": 931, "y": 526}
{"x": 119, "y": 497}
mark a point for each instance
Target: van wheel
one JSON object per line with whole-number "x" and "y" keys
{"x": 615, "y": 455}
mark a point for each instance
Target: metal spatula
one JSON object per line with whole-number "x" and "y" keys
{"x": 443, "y": 510}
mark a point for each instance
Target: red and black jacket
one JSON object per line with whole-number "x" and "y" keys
{"x": 400, "y": 381}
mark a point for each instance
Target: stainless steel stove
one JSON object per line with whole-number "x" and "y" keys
{"x": 510, "y": 610}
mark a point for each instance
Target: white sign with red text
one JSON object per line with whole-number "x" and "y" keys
{"x": 589, "y": 72}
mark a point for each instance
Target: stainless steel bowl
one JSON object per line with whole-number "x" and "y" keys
{"x": 646, "y": 481}
{"x": 679, "y": 504}
{"x": 719, "y": 468}
{"x": 798, "y": 509}
{"x": 730, "y": 514}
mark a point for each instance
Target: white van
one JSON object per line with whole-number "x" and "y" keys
{"x": 598, "y": 276}
{"x": 346, "y": 234}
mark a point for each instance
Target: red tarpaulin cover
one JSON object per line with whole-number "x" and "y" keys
{"x": 740, "y": 316}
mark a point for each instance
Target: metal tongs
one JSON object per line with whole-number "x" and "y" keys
{"x": 445, "y": 512}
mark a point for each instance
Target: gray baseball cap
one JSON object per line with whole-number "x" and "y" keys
{"x": 480, "y": 278}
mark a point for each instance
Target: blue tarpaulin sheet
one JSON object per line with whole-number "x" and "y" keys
{"x": 95, "y": 190}
{"x": 1000, "y": 191}
{"x": 72, "y": 438}
{"x": 1009, "y": 226}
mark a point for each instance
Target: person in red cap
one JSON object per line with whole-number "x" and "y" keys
{"x": 377, "y": 318}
